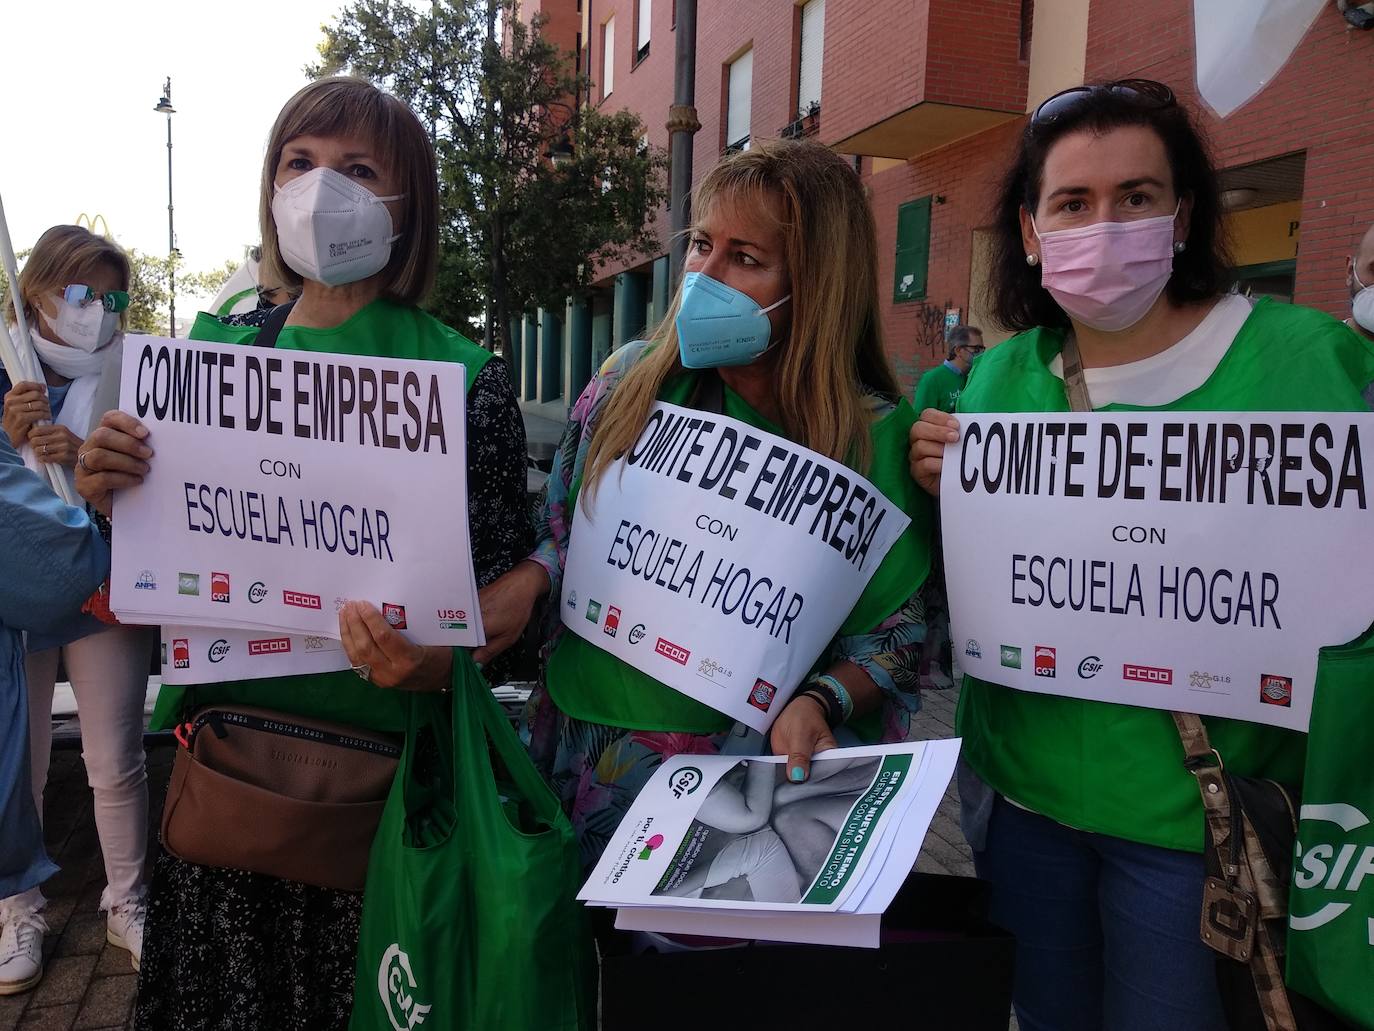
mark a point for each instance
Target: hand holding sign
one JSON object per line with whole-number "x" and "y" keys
{"x": 1169, "y": 560}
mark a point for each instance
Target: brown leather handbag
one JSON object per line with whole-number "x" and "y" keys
{"x": 271, "y": 793}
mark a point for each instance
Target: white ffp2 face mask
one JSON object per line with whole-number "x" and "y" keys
{"x": 331, "y": 228}
{"x": 87, "y": 328}
{"x": 1362, "y": 306}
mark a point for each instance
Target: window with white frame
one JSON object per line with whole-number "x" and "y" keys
{"x": 642, "y": 15}
{"x": 739, "y": 99}
{"x": 812, "y": 50}
{"x": 607, "y": 57}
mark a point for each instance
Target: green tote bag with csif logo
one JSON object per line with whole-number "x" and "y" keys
{"x": 1331, "y": 901}
{"x": 469, "y": 917}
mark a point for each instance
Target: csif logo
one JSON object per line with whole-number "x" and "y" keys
{"x": 637, "y": 633}
{"x": 1331, "y": 872}
{"x": 219, "y": 651}
{"x": 1090, "y": 667}
{"x": 257, "y": 593}
{"x": 397, "y": 986}
{"x": 684, "y": 781}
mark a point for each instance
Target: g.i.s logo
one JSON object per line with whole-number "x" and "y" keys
{"x": 396, "y": 985}
{"x": 1331, "y": 872}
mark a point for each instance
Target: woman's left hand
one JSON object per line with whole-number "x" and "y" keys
{"x": 799, "y": 732}
{"x": 55, "y": 444}
{"x": 392, "y": 661}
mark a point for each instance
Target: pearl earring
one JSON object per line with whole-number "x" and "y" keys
{"x": 1180, "y": 246}
{"x": 1032, "y": 260}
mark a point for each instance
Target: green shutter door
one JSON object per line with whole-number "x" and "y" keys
{"x": 913, "y": 250}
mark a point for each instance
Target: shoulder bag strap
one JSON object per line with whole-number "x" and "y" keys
{"x": 1235, "y": 852}
{"x": 272, "y": 326}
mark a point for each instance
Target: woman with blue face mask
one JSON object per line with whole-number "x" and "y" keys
{"x": 1109, "y": 245}
{"x": 74, "y": 287}
{"x": 775, "y": 324}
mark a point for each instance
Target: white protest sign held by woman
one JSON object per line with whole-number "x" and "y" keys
{"x": 720, "y": 559}
{"x": 287, "y": 483}
{"x": 1179, "y": 561}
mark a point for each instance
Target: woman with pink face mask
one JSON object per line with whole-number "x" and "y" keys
{"x": 1109, "y": 246}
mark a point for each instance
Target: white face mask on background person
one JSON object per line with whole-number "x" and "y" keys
{"x": 332, "y": 229}
{"x": 86, "y": 328}
{"x": 1362, "y": 306}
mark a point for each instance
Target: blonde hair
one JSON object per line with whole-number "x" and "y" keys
{"x": 349, "y": 106}
{"x": 62, "y": 256}
{"x": 834, "y": 348}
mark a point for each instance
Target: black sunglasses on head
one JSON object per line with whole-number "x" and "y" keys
{"x": 1145, "y": 93}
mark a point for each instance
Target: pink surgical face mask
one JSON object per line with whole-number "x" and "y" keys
{"x": 1109, "y": 274}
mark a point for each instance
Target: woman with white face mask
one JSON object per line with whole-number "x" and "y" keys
{"x": 75, "y": 292}
{"x": 1081, "y": 813}
{"x": 349, "y": 220}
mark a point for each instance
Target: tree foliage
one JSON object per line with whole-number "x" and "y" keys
{"x": 517, "y": 230}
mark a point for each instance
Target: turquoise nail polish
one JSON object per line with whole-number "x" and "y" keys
{"x": 798, "y": 774}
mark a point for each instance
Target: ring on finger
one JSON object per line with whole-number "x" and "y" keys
{"x": 364, "y": 670}
{"x": 81, "y": 461}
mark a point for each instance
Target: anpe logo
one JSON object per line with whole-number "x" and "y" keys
{"x": 1044, "y": 661}
{"x": 1090, "y": 667}
{"x": 270, "y": 646}
{"x": 1329, "y": 872}
{"x": 181, "y": 653}
{"x": 612, "y": 623}
{"x": 396, "y": 985}
{"x": 300, "y": 601}
{"x": 1147, "y": 674}
{"x": 219, "y": 650}
{"x": 394, "y": 615}
{"x": 685, "y": 781}
{"x": 1011, "y": 657}
{"x": 973, "y": 649}
{"x": 188, "y": 583}
{"x": 669, "y": 650}
{"x": 257, "y": 593}
{"x": 219, "y": 587}
{"x": 636, "y": 633}
{"x": 147, "y": 581}
{"x": 1276, "y": 690}
{"x": 572, "y": 600}
{"x": 649, "y": 846}
{"x": 762, "y": 695}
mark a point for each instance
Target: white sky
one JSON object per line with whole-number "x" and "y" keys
{"x": 79, "y": 82}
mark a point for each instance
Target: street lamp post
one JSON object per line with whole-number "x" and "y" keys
{"x": 164, "y": 106}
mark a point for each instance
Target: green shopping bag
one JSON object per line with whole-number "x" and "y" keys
{"x": 1331, "y": 904}
{"x": 469, "y": 917}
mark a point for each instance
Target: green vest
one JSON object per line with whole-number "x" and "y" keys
{"x": 382, "y": 328}
{"x": 938, "y": 388}
{"x": 1117, "y": 769}
{"x": 593, "y": 685}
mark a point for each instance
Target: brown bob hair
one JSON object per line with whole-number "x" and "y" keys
{"x": 62, "y": 256}
{"x": 348, "y": 106}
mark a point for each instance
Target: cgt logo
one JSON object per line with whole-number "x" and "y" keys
{"x": 1332, "y": 871}
{"x": 396, "y": 985}
{"x": 270, "y": 646}
{"x": 1044, "y": 661}
{"x": 181, "y": 653}
{"x": 219, "y": 587}
{"x": 299, "y": 600}
{"x": 685, "y": 781}
{"x": 612, "y": 623}
{"x": 1147, "y": 674}
{"x": 669, "y": 650}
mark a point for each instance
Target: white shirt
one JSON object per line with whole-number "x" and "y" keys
{"x": 1165, "y": 377}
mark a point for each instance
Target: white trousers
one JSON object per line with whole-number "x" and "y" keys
{"x": 109, "y": 676}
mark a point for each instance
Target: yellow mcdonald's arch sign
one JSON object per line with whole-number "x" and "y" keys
{"x": 91, "y": 223}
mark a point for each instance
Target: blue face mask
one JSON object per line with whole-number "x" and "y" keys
{"x": 718, "y": 325}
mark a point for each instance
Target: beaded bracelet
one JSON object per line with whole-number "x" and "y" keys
{"x": 833, "y": 684}
{"x": 834, "y": 715}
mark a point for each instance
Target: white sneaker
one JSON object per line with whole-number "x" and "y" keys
{"x": 124, "y": 928}
{"x": 21, "y": 949}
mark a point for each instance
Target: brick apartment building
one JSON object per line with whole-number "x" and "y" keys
{"x": 927, "y": 98}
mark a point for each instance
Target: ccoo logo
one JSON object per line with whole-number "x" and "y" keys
{"x": 396, "y": 985}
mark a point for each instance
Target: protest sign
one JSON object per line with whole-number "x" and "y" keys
{"x": 286, "y": 483}
{"x": 720, "y": 559}
{"x": 770, "y": 858}
{"x": 1188, "y": 561}
{"x": 213, "y": 655}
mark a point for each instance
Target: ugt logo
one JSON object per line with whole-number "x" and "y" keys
{"x": 1331, "y": 869}
{"x": 396, "y": 985}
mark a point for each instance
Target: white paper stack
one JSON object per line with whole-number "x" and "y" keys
{"x": 728, "y": 847}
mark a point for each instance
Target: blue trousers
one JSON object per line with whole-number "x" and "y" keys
{"x": 1106, "y": 929}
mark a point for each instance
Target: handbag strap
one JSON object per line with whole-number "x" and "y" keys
{"x": 1238, "y": 856}
{"x": 272, "y": 325}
